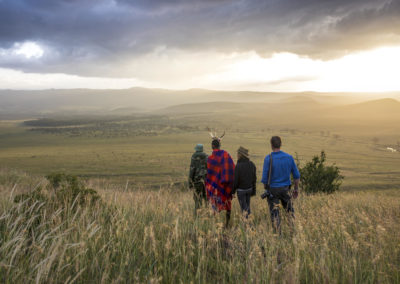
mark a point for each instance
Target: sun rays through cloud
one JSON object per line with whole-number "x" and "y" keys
{"x": 229, "y": 44}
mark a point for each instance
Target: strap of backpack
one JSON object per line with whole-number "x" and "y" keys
{"x": 270, "y": 170}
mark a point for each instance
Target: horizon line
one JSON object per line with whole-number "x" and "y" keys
{"x": 205, "y": 89}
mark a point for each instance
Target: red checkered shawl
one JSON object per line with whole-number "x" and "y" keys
{"x": 219, "y": 181}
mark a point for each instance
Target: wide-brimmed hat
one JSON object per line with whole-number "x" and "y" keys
{"x": 199, "y": 147}
{"x": 243, "y": 151}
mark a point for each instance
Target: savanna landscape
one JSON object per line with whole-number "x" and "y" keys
{"x": 106, "y": 105}
{"x": 141, "y": 226}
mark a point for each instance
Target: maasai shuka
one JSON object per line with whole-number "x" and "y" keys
{"x": 219, "y": 181}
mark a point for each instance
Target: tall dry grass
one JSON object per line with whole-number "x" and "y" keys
{"x": 154, "y": 236}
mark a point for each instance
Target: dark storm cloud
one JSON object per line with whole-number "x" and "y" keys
{"x": 89, "y": 37}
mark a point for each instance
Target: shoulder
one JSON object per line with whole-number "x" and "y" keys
{"x": 226, "y": 157}
{"x": 224, "y": 153}
{"x": 249, "y": 164}
{"x": 287, "y": 157}
{"x": 284, "y": 154}
{"x": 203, "y": 155}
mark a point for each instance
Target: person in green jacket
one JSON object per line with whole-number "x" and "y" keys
{"x": 197, "y": 176}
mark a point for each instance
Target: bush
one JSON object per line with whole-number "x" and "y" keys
{"x": 69, "y": 188}
{"x": 315, "y": 176}
{"x": 62, "y": 191}
{"x": 51, "y": 229}
{"x": 64, "y": 194}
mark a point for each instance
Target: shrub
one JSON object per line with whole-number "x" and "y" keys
{"x": 68, "y": 189}
{"x": 49, "y": 230}
{"x": 315, "y": 176}
{"x": 64, "y": 194}
{"x": 63, "y": 191}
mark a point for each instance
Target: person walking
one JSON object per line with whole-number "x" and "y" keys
{"x": 245, "y": 180}
{"x": 278, "y": 166}
{"x": 197, "y": 176}
{"x": 219, "y": 181}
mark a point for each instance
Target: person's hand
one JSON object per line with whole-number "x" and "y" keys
{"x": 295, "y": 193}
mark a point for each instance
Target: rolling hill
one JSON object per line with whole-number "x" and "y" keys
{"x": 17, "y": 104}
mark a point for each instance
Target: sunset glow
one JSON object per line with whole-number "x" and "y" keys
{"x": 230, "y": 45}
{"x": 367, "y": 71}
{"x": 373, "y": 71}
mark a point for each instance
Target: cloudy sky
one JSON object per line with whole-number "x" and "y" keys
{"x": 270, "y": 45}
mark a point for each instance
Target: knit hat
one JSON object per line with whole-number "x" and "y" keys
{"x": 199, "y": 148}
{"x": 243, "y": 151}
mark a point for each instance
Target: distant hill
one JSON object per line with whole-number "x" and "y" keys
{"x": 375, "y": 109}
{"x": 86, "y": 101}
{"x": 298, "y": 106}
{"x": 16, "y": 104}
{"x": 382, "y": 105}
{"x": 301, "y": 101}
{"x": 206, "y": 108}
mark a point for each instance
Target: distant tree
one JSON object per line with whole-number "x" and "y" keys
{"x": 316, "y": 177}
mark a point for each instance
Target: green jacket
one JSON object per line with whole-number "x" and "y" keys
{"x": 198, "y": 168}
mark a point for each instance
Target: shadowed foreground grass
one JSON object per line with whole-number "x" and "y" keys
{"x": 153, "y": 236}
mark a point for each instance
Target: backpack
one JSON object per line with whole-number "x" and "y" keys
{"x": 199, "y": 162}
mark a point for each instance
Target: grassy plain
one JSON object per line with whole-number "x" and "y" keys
{"x": 154, "y": 237}
{"x": 139, "y": 165}
{"x": 139, "y": 154}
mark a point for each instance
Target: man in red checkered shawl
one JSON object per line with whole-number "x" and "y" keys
{"x": 220, "y": 177}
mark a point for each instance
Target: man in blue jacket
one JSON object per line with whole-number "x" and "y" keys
{"x": 278, "y": 185}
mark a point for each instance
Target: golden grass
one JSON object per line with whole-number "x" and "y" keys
{"x": 154, "y": 236}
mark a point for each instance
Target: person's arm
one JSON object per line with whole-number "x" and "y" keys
{"x": 228, "y": 169}
{"x": 236, "y": 180}
{"x": 296, "y": 184}
{"x": 264, "y": 178}
{"x": 205, "y": 165}
{"x": 191, "y": 173}
{"x": 254, "y": 185}
{"x": 296, "y": 178}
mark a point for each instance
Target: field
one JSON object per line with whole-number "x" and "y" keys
{"x": 154, "y": 236}
{"x": 150, "y": 151}
{"x": 138, "y": 162}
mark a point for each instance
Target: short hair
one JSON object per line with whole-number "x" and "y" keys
{"x": 276, "y": 142}
{"x": 215, "y": 143}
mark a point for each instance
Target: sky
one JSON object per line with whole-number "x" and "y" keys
{"x": 270, "y": 45}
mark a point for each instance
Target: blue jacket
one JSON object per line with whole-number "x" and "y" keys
{"x": 282, "y": 166}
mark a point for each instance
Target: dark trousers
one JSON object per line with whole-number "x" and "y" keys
{"x": 279, "y": 195}
{"x": 244, "y": 200}
{"x": 199, "y": 194}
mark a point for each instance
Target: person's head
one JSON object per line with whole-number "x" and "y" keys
{"x": 215, "y": 144}
{"x": 199, "y": 148}
{"x": 276, "y": 142}
{"x": 242, "y": 153}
